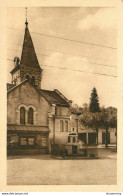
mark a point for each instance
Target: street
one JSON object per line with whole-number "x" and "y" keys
{"x": 43, "y": 170}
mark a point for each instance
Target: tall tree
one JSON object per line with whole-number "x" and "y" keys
{"x": 94, "y": 101}
{"x": 94, "y": 108}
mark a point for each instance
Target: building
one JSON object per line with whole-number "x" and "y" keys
{"x": 36, "y": 118}
{"x": 88, "y": 136}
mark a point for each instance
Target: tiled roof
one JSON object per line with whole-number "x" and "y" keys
{"x": 28, "y": 57}
{"x": 15, "y": 68}
{"x": 15, "y": 86}
{"x": 53, "y": 97}
{"x": 9, "y": 86}
{"x": 27, "y": 128}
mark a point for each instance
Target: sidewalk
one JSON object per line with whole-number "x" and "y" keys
{"x": 109, "y": 146}
{"x": 113, "y": 156}
{"x": 107, "y": 153}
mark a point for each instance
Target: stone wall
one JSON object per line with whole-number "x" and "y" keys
{"x": 56, "y": 135}
{"x": 25, "y": 95}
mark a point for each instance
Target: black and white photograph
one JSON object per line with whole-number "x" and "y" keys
{"x": 61, "y": 96}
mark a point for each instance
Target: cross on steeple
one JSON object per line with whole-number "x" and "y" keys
{"x": 26, "y": 18}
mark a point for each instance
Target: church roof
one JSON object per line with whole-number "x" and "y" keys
{"x": 28, "y": 56}
{"x": 54, "y": 97}
{"x": 10, "y": 86}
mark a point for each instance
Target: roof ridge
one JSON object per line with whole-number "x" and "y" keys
{"x": 46, "y": 90}
{"x": 17, "y": 85}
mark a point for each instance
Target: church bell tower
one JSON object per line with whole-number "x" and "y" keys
{"x": 28, "y": 66}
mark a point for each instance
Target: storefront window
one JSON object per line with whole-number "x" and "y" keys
{"x": 44, "y": 142}
{"x": 12, "y": 140}
{"x": 25, "y": 141}
{"x": 31, "y": 141}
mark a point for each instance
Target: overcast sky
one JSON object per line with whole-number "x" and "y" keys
{"x": 97, "y": 26}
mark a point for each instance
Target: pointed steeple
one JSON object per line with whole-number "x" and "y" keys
{"x": 28, "y": 67}
{"x": 28, "y": 57}
{"x": 26, "y": 23}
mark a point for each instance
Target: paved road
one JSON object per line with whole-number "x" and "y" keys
{"x": 41, "y": 170}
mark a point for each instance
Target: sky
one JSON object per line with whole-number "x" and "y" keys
{"x": 92, "y": 49}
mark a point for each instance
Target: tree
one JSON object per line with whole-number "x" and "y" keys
{"x": 94, "y": 101}
{"x": 91, "y": 120}
{"x": 86, "y": 119}
{"x": 95, "y": 109}
{"x": 108, "y": 120}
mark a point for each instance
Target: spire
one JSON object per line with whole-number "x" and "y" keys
{"x": 26, "y": 19}
{"x": 28, "y": 57}
{"x": 26, "y": 23}
{"x": 28, "y": 67}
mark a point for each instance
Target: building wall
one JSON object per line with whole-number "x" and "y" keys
{"x": 31, "y": 72}
{"x": 55, "y": 131}
{"x": 112, "y": 133}
{"x": 112, "y": 137}
{"x": 74, "y": 123}
{"x": 58, "y": 135}
{"x": 16, "y": 77}
{"x": 62, "y": 111}
{"x": 25, "y": 95}
{"x": 100, "y": 137}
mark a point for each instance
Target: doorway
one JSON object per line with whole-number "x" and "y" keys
{"x": 74, "y": 149}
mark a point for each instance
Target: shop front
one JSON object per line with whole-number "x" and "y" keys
{"x": 23, "y": 139}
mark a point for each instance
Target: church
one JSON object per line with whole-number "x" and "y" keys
{"x": 36, "y": 118}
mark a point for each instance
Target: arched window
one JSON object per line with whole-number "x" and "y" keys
{"x": 30, "y": 116}
{"x": 33, "y": 80}
{"x": 22, "y": 115}
{"x": 27, "y": 77}
{"x": 61, "y": 125}
{"x": 66, "y": 126}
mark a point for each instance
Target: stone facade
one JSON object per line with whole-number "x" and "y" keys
{"x": 36, "y": 117}
{"x": 25, "y": 95}
{"x": 58, "y": 119}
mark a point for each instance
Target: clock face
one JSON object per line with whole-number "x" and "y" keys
{"x": 16, "y": 61}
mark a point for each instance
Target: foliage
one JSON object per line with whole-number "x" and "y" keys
{"x": 108, "y": 120}
{"x": 94, "y": 101}
{"x": 108, "y": 117}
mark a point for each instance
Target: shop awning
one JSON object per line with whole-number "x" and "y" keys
{"x": 27, "y": 128}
